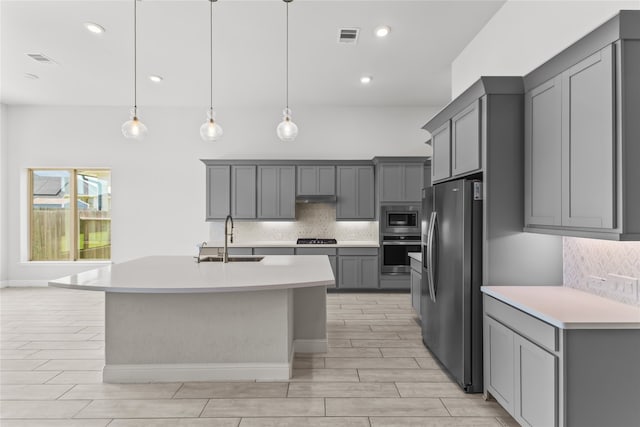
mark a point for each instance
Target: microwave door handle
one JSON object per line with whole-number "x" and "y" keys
{"x": 430, "y": 276}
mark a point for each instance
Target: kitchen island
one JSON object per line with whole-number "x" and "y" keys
{"x": 168, "y": 318}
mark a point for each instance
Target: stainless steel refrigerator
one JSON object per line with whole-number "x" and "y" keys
{"x": 451, "y": 301}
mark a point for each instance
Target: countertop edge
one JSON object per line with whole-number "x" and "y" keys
{"x": 490, "y": 291}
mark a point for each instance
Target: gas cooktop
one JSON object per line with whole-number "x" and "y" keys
{"x": 316, "y": 241}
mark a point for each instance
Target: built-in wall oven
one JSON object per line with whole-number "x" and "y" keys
{"x": 403, "y": 220}
{"x": 395, "y": 252}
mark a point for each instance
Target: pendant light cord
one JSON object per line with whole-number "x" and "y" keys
{"x": 287, "y": 56}
{"x": 211, "y": 53}
{"x": 135, "y": 57}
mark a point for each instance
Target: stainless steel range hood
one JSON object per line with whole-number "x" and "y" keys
{"x": 316, "y": 199}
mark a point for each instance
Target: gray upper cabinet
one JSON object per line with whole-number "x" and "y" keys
{"x": 465, "y": 140}
{"x": 243, "y": 191}
{"x": 441, "y": 153}
{"x": 543, "y": 153}
{"x": 218, "y": 192}
{"x": 355, "y": 193}
{"x": 581, "y": 133}
{"x": 316, "y": 181}
{"x": 400, "y": 182}
{"x": 588, "y": 175}
{"x": 276, "y": 192}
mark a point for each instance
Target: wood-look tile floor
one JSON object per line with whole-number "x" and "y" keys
{"x": 376, "y": 373}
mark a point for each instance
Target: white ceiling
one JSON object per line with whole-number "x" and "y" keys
{"x": 411, "y": 67}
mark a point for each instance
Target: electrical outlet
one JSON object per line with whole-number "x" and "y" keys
{"x": 597, "y": 282}
{"x": 623, "y": 286}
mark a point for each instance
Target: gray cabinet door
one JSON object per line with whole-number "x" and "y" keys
{"x": 391, "y": 182}
{"x": 273, "y": 251}
{"x": 349, "y": 272}
{"x": 243, "y": 192}
{"x": 543, "y": 154}
{"x": 369, "y": 272}
{"x": 218, "y": 192}
{"x": 400, "y": 182}
{"x": 333, "y": 260}
{"x": 276, "y": 192}
{"x": 498, "y": 362}
{"x": 415, "y": 290}
{"x": 358, "y": 271}
{"x": 413, "y": 181}
{"x": 535, "y": 382}
{"x": 441, "y": 155}
{"x": 588, "y": 142}
{"x": 355, "y": 192}
{"x": 316, "y": 180}
{"x": 465, "y": 140}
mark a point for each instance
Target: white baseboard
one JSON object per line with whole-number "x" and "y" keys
{"x": 311, "y": 346}
{"x": 183, "y": 372}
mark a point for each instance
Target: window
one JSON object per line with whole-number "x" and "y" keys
{"x": 70, "y": 214}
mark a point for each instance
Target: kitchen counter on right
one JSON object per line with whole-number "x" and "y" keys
{"x": 557, "y": 356}
{"x": 567, "y": 308}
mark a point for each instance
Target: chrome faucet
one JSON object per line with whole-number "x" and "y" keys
{"x": 225, "y": 255}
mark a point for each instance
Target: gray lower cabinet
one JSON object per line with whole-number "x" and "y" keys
{"x": 276, "y": 192}
{"x": 316, "y": 181}
{"x": 218, "y": 192}
{"x": 240, "y": 251}
{"x": 330, "y": 252}
{"x": 273, "y": 251}
{"x": 416, "y": 280}
{"x": 547, "y": 376}
{"x": 243, "y": 192}
{"x": 520, "y": 374}
{"x": 441, "y": 153}
{"x": 465, "y": 140}
{"x": 358, "y": 268}
{"x": 355, "y": 193}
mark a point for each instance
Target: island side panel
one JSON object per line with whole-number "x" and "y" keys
{"x": 310, "y": 319}
{"x": 238, "y": 327}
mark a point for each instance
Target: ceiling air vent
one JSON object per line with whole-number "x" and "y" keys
{"x": 348, "y": 35}
{"x": 38, "y": 57}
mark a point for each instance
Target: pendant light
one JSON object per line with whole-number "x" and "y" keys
{"x": 134, "y": 128}
{"x": 287, "y": 130}
{"x": 210, "y": 130}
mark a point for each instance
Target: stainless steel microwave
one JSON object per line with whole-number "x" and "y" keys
{"x": 400, "y": 219}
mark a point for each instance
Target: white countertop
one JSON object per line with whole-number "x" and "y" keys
{"x": 416, "y": 255}
{"x": 182, "y": 274}
{"x": 568, "y": 308}
{"x": 293, "y": 244}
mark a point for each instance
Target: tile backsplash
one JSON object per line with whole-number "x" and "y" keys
{"x": 583, "y": 258}
{"x": 312, "y": 220}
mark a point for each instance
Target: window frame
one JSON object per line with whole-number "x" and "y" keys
{"x": 73, "y": 203}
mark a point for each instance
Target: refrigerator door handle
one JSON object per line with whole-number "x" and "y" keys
{"x": 430, "y": 254}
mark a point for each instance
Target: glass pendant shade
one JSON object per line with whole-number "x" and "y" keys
{"x": 210, "y": 130}
{"x": 287, "y": 130}
{"x": 134, "y": 128}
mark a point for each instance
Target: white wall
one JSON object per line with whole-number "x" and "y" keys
{"x": 158, "y": 184}
{"x": 524, "y": 34}
{"x": 3, "y": 196}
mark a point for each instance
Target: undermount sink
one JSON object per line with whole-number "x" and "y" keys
{"x": 232, "y": 259}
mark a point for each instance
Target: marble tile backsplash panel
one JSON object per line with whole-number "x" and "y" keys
{"x": 312, "y": 220}
{"x": 589, "y": 257}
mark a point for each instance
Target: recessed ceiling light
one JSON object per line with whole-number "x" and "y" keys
{"x": 94, "y": 28}
{"x": 383, "y": 31}
{"x": 156, "y": 79}
{"x": 365, "y": 80}
{"x": 31, "y": 76}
